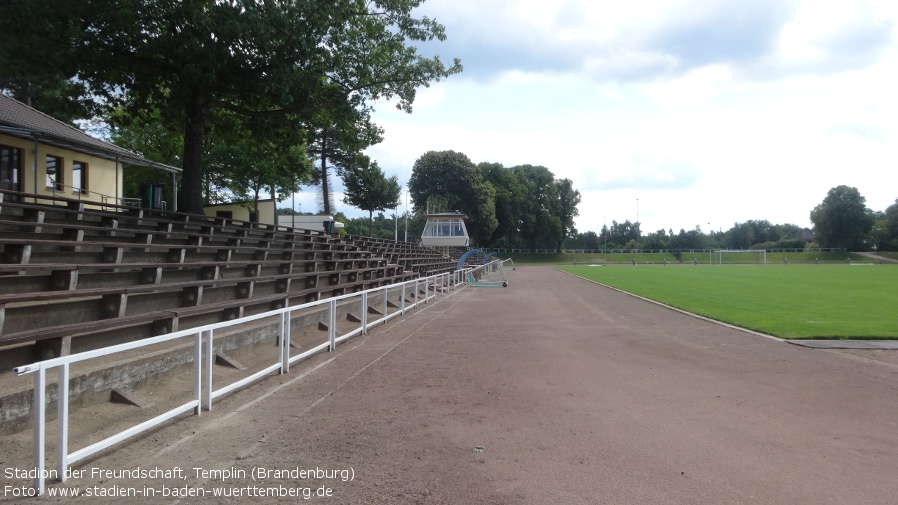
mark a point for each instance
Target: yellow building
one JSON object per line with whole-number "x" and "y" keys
{"x": 42, "y": 155}
{"x": 240, "y": 212}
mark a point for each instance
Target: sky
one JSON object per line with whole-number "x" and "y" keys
{"x": 682, "y": 113}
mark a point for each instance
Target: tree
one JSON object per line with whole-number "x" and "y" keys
{"x": 369, "y": 189}
{"x": 842, "y": 219}
{"x": 509, "y": 202}
{"x": 151, "y": 137}
{"x": 618, "y": 234}
{"x": 256, "y": 59}
{"x": 568, "y": 199}
{"x": 337, "y": 139}
{"x": 656, "y": 240}
{"x": 41, "y": 82}
{"x": 541, "y": 222}
{"x": 888, "y": 226}
{"x": 453, "y": 178}
{"x": 588, "y": 240}
{"x": 252, "y": 155}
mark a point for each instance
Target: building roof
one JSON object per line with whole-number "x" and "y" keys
{"x": 22, "y": 121}
{"x": 446, "y": 215}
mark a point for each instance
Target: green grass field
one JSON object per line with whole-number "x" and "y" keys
{"x": 795, "y": 301}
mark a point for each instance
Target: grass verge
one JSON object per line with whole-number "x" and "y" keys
{"x": 688, "y": 257}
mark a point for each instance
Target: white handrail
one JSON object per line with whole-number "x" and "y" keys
{"x": 203, "y": 363}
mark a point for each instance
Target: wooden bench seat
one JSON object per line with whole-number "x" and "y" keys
{"x": 20, "y": 251}
{"x": 173, "y": 319}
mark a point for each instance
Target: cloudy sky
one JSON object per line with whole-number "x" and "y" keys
{"x": 691, "y": 112}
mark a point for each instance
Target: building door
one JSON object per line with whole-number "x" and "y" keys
{"x": 10, "y": 168}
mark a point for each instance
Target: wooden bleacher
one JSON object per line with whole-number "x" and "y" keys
{"x": 423, "y": 260}
{"x": 76, "y": 275}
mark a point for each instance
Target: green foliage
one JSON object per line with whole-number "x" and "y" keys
{"x": 453, "y": 178}
{"x": 540, "y": 221}
{"x": 337, "y": 139}
{"x": 378, "y": 226}
{"x": 832, "y": 301}
{"x": 619, "y": 234}
{"x": 568, "y": 199}
{"x": 748, "y": 235}
{"x": 588, "y": 240}
{"x": 255, "y": 155}
{"x": 150, "y": 136}
{"x": 842, "y": 219}
{"x": 42, "y": 82}
{"x": 509, "y": 202}
{"x": 255, "y": 59}
{"x": 369, "y": 189}
{"x": 886, "y": 229}
{"x": 533, "y": 209}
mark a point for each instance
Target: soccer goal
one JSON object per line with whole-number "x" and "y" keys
{"x": 491, "y": 275}
{"x": 744, "y": 257}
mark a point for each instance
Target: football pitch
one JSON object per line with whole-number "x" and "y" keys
{"x": 793, "y": 302}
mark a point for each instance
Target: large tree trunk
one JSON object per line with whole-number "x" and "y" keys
{"x": 325, "y": 188}
{"x": 194, "y": 136}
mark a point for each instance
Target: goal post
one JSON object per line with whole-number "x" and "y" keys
{"x": 742, "y": 256}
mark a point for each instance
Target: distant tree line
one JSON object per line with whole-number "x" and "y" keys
{"x": 841, "y": 220}
{"x": 751, "y": 234}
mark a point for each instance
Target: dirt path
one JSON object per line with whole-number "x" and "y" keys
{"x": 554, "y": 390}
{"x": 878, "y": 257}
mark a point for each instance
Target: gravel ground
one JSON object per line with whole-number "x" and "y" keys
{"x": 553, "y": 390}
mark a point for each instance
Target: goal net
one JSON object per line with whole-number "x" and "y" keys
{"x": 741, "y": 257}
{"x": 491, "y": 275}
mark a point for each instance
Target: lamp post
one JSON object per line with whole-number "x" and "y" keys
{"x": 637, "y": 224}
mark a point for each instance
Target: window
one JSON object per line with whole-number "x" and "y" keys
{"x": 10, "y": 167}
{"x": 54, "y": 173}
{"x": 79, "y": 177}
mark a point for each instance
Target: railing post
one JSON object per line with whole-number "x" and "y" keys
{"x": 286, "y": 321}
{"x": 210, "y": 342}
{"x": 40, "y": 417}
{"x": 332, "y": 323}
{"x": 364, "y": 314}
{"x": 62, "y": 421}
{"x": 416, "y": 293}
{"x": 386, "y": 306}
{"x": 198, "y": 372}
{"x": 281, "y": 338}
{"x": 402, "y": 299}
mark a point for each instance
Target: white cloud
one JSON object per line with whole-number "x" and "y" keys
{"x": 708, "y": 112}
{"x": 699, "y": 85}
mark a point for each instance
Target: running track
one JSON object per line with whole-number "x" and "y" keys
{"x": 575, "y": 393}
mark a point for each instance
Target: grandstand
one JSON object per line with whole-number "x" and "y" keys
{"x": 77, "y": 276}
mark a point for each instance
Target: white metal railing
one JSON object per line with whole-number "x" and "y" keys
{"x": 203, "y": 361}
